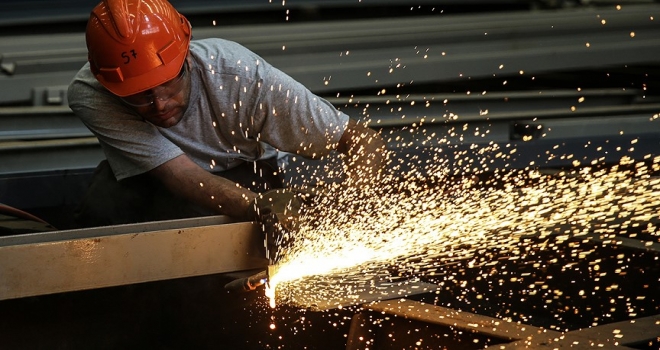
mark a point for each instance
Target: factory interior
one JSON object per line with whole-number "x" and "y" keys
{"x": 545, "y": 114}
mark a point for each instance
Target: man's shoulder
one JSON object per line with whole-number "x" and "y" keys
{"x": 84, "y": 74}
{"x": 214, "y": 49}
{"x": 83, "y": 87}
{"x": 221, "y": 47}
{"x": 225, "y": 57}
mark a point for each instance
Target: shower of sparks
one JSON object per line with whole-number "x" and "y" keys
{"x": 353, "y": 239}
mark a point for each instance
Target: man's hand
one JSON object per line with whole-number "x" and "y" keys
{"x": 366, "y": 154}
{"x": 278, "y": 211}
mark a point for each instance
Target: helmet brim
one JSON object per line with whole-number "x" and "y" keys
{"x": 146, "y": 81}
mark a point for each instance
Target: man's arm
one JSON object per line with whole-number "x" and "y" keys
{"x": 188, "y": 180}
{"x": 366, "y": 152}
{"x": 366, "y": 158}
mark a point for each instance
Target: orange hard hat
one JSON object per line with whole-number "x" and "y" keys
{"x": 136, "y": 45}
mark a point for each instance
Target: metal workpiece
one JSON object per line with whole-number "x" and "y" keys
{"x": 64, "y": 261}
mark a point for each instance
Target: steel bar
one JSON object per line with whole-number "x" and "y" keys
{"x": 43, "y": 122}
{"x": 63, "y": 261}
{"x": 390, "y": 110}
{"x": 49, "y": 155}
{"x": 581, "y": 127}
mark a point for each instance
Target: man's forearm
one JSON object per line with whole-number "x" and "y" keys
{"x": 187, "y": 180}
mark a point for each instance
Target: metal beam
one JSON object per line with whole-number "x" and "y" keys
{"x": 363, "y": 329}
{"x": 459, "y": 320}
{"x": 63, "y": 261}
{"x": 49, "y": 155}
{"x": 393, "y": 110}
{"x": 42, "y": 122}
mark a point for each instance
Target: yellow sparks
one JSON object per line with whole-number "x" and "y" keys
{"x": 353, "y": 238}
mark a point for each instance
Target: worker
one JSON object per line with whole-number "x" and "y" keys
{"x": 195, "y": 127}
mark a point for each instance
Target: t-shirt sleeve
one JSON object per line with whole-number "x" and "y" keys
{"x": 291, "y": 118}
{"x": 131, "y": 145}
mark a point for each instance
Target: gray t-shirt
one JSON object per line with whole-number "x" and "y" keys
{"x": 241, "y": 109}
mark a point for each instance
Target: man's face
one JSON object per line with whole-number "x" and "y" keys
{"x": 165, "y": 104}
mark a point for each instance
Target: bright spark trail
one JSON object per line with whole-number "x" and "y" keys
{"x": 352, "y": 238}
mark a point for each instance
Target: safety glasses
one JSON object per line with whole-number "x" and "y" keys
{"x": 163, "y": 92}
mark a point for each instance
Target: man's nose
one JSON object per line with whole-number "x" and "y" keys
{"x": 159, "y": 104}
